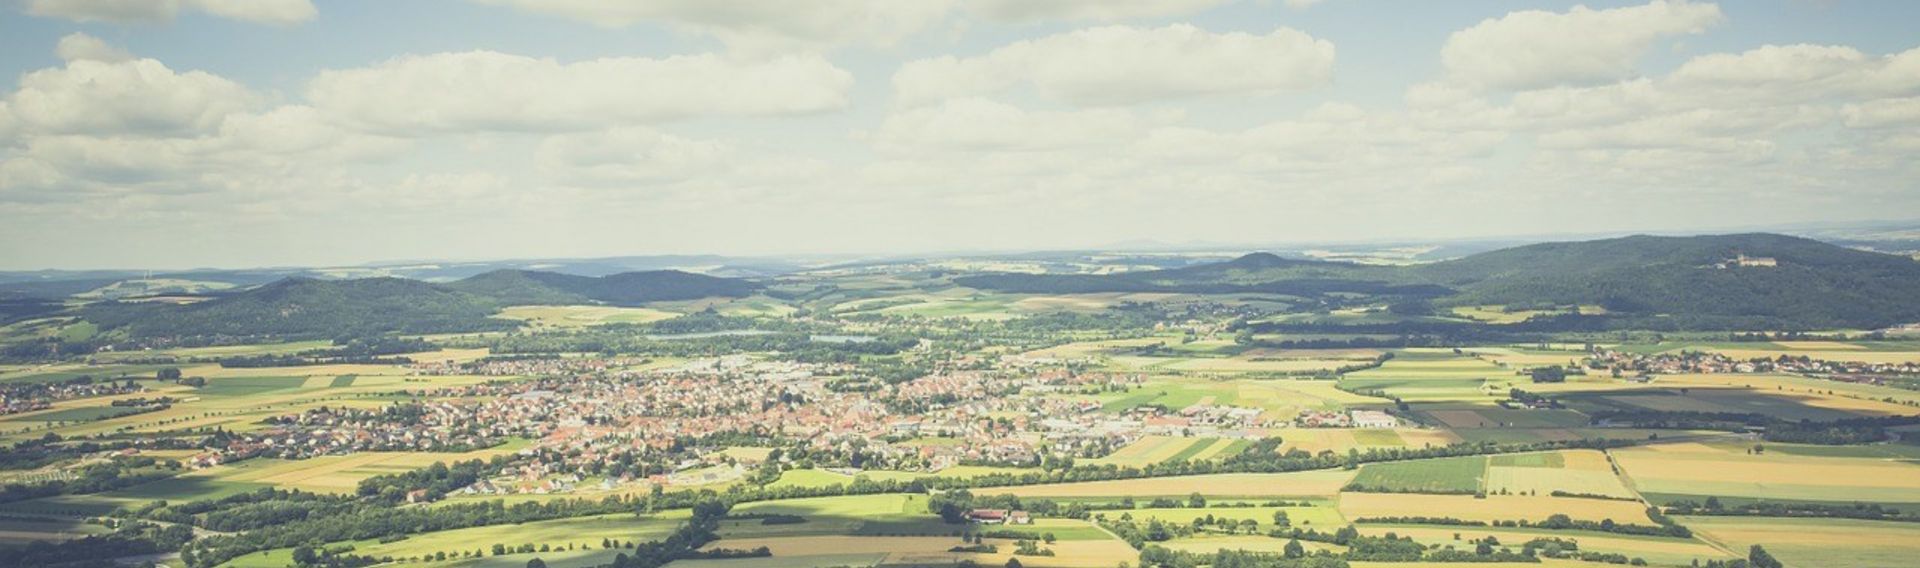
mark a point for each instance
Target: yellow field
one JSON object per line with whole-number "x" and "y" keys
{"x": 1583, "y": 471}
{"x": 919, "y": 550}
{"x": 1149, "y": 450}
{"x": 1356, "y": 506}
{"x": 336, "y": 474}
{"x": 1252, "y": 543}
{"x": 1819, "y": 345}
{"x": 1301, "y": 484}
{"x": 1834, "y": 355}
{"x": 1836, "y": 543}
{"x": 1670, "y": 551}
{"x": 1320, "y": 516}
{"x": 581, "y": 316}
{"x": 1813, "y": 392}
{"x": 1772, "y": 475}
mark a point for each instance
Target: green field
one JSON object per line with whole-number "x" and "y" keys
{"x": 1444, "y": 475}
{"x": 79, "y": 414}
{"x": 247, "y": 386}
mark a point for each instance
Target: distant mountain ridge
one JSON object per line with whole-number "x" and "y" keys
{"x": 1731, "y": 280}
{"x": 527, "y": 287}
{"x": 314, "y": 308}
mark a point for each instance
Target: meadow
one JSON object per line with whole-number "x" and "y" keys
{"x": 1837, "y": 543}
{"x": 1298, "y": 484}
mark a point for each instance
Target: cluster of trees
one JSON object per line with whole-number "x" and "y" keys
{"x": 301, "y": 308}
{"x": 1292, "y": 556}
{"x": 1870, "y": 511}
{"x": 1555, "y": 521}
{"x": 129, "y": 539}
{"x": 115, "y": 473}
{"x": 369, "y": 351}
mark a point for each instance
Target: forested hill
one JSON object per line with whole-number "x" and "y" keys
{"x": 1253, "y": 273}
{"x": 1718, "y": 281}
{"x": 307, "y": 308}
{"x": 1782, "y": 280}
{"x": 522, "y": 287}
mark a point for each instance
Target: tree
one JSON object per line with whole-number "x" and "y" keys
{"x": 1294, "y": 550}
{"x": 304, "y": 555}
{"x": 1281, "y": 520}
{"x": 536, "y": 563}
{"x": 168, "y": 374}
{"x": 1013, "y": 563}
{"x": 1551, "y": 374}
{"x": 1196, "y": 501}
{"x": 1761, "y": 559}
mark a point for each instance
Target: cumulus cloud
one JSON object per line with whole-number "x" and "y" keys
{"x": 79, "y": 46}
{"x": 759, "y": 26}
{"x": 94, "y": 96}
{"x": 485, "y": 90}
{"x": 1122, "y": 65}
{"x": 1101, "y": 10}
{"x": 159, "y": 11}
{"x": 1582, "y": 46}
{"x": 975, "y": 124}
{"x": 628, "y": 156}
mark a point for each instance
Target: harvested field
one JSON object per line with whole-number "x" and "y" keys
{"x": 1837, "y": 543}
{"x": 933, "y": 550}
{"x": 1357, "y": 506}
{"x": 1301, "y": 484}
{"x": 1777, "y": 476}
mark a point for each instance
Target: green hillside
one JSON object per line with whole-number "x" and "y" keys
{"x": 524, "y": 287}
{"x": 307, "y": 308}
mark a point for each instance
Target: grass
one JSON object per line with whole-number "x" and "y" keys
{"x": 1445, "y": 475}
{"x": 78, "y": 414}
{"x": 1360, "y": 506}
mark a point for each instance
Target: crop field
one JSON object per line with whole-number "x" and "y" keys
{"x": 15, "y": 532}
{"x": 1155, "y": 449}
{"x": 1574, "y": 471}
{"x": 1715, "y": 472}
{"x": 581, "y": 316}
{"x": 334, "y": 474}
{"x": 1490, "y": 416}
{"x": 172, "y": 489}
{"x": 1445, "y": 475}
{"x": 1277, "y": 398}
{"x": 581, "y": 532}
{"x": 1209, "y": 544}
{"x": 1837, "y": 543}
{"x": 1357, "y": 507}
{"x": 1656, "y": 550}
{"x": 215, "y": 352}
{"x": 1822, "y": 393}
{"x": 926, "y": 550}
{"x": 1299, "y": 484}
{"x": 1433, "y": 376}
{"x": 1323, "y": 515}
{"x": 1777, "y": 403}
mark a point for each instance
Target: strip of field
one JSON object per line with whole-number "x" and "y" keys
{"x": 1836, "y": 543}
{"x": 581, "y": 316}
{"x": 1665, "y": 551}
{"x": 1358, "y": 506}
{"x": 1325, "y": 515}
{"x": 1583, "y": 472}
{"x": 1300, "y": 484}
{"x": 934, "y": 550}
{"x": 1771, "y": 475}
{"x": 1208, "y": 544}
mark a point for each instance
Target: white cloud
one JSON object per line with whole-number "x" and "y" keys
{"x": 974, "y": 124}
{"x": 1886, "y": 113}
{"x": 630, "y": 156}
{"x": 1099, "y": 10}
{"x": 1122, "y": 65}
{"x": 259, "y": 11}
{"x": 758, "y": 26}
{"x": 79, "y": 46}
{"x": 485, "y": 90}
{"x": 160, "y": 11}
{"x": 129, "y": 96}
{"x": 1533, "y": 48}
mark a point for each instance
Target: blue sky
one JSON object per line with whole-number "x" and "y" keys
{"x": 181, "y": 133}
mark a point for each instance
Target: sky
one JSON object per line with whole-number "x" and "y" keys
{"x": 173, "y": 134}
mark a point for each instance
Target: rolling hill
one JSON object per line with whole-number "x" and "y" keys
{"x": 523, "y": 287}
{"x": 1702, "y": 282}
{"x": 308, "y": 308}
